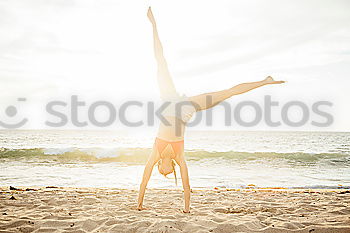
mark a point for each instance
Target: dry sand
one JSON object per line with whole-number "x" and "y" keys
{"x": 113, "y": 210}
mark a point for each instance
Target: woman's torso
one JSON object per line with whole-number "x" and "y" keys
{"x": 172, "y": 130}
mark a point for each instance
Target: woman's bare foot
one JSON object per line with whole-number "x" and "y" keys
{"x": 150, "y": 16}
{"x": 270, "y": 80}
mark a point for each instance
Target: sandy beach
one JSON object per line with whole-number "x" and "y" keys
{"x": 54, "y": 209}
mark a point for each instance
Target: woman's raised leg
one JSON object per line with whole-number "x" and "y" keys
{"x": 209, "y": 100}
{"x": 165, "y": 82}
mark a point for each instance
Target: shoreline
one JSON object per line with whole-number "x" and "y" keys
{"x": 248, "y": 188}
{"x": 69, "y": 209}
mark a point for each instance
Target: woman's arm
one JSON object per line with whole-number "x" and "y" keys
{"x": 185, "y": 183}
{"x": 152, "y": 160}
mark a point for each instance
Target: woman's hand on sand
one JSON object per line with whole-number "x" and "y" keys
{"x": 140, "y": 208}
{"x": 186, "y": 211}
{"x": 270, "y": 80}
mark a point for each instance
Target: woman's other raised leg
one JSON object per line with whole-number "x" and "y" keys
{"x": 209, "y": 100}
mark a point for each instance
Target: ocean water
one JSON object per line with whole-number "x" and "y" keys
{"x": 215, "y": 159}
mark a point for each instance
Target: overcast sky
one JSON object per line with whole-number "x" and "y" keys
{"x": 102, "y": 49}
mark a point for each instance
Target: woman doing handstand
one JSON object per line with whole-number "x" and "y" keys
{"x": 168, "y": 147}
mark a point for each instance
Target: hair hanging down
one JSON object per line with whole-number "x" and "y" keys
{"x": 174, "y": 171}
{"x": 173, "y": 163}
